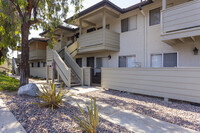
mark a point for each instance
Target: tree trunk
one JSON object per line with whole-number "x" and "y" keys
{"x": 24, "y": 65}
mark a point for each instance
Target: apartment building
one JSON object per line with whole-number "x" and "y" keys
{"x": 37, "y": 57}
{"x": 113, "y": 45}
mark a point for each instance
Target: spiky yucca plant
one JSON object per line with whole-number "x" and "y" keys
{"x": 90, "y": 122}
{"x": 51, "y": 98}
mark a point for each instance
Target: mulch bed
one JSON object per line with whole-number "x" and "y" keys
{"x": 43, "y": 120}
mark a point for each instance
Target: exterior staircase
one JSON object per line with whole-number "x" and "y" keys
{"x": 74, "y": 76}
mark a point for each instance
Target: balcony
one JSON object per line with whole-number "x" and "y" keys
{"x": 181, "y": 21}
{"x": 98, "y": 41}
{"x": 37, "y": 55}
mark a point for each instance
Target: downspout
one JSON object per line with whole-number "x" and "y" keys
{"x": 145, "y": 36}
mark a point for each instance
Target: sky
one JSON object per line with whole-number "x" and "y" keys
{"x": 86, "y": 4}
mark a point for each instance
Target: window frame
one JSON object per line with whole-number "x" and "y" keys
{"x": 128, "y": 18}
{"x": 150, "y": 16}
{"x": 177, "y": 54}
{"x": 126, "y": 60}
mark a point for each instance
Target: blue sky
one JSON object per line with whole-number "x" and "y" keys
{"x": 88, "y": 3}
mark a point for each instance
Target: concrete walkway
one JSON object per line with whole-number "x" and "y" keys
{"x": 131, "y": 120}
{"x": 8, "y": 123}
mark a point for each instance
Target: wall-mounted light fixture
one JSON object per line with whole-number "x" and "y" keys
{"x": 109, "y": 57}
{"x": 195, "y": 50}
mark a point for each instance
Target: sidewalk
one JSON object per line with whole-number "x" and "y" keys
{"x": 8, "y": 123}
{"x": 131, "y": 120}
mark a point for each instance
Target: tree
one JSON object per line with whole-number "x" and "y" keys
{"x": 27, "y": 14}
{"x": 8, "y": 35}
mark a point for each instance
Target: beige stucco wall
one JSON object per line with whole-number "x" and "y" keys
{"x": 132, "y": 42}
{"x": 40, "y": 72}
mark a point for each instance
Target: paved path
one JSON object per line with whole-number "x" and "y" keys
{"x": 8, "y": 123}
{"x": 131, "y": 120}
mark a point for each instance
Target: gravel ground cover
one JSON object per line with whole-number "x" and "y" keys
{"x": 180, "y": 113}
{"x": 43, "y": 120}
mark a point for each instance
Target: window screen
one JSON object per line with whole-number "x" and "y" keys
{"x": 98, "y": 62}
{"x": 170, "y": 60}
{"x": 154, "y": 16}
{"x": 127, "y": 61}
{"x": 156, "y": 60}
{"x": 132, "y": 23}
{"x": 79, "y": 61}
{"x": 122, "y": 61}
{"x": 130, "y": 61}
{"x": 124, "y": 25}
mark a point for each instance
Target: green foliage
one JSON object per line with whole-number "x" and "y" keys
{"x": 8, "y": 83}
{"x": 51, "y": 98}
{"x": 44, "y": 14}
{"x": 89, "y": 123}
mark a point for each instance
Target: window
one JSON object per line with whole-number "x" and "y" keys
{"x": 98, "y": 62}
{"x": 107, "y": 27}
{"x": 169, "y": 60}
{"x": 127, "y": 61}
{"x": 38, "y": 64}
{"x": 129, "y": 24}
{"x": 44, "y": 64}
{"x": 154, "y": 16}
{"x": 32, "y": 64}
{"x": 156, "y": 60}
{"x": 91, "y": 30}
{"x": 79, "y": 61}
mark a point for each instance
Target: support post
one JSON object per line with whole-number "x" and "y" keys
{"x": 80, "y": 28}
{"x": 104, "y": 20}
{"x": 90, "y": 76}
{"x": 69, "y": 78}
{"x": 47, "y": 73}
{"x": 53, "y": 70}
{"x": 164, "y": 5}
{"x": 82, "y": 77}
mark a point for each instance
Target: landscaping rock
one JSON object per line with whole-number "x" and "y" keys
{"x": 30, "y": 90}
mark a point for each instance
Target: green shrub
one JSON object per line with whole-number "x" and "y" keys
{"x": 8, "y": 83}
{"x": 90, "y": 122}
{"x": 51, "y": 98}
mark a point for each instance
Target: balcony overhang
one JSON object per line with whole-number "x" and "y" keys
{"x": 172, "y": 37}
{"x": 94, "y": 17}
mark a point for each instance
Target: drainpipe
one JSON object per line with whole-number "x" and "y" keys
{"x": 145, "y": 36}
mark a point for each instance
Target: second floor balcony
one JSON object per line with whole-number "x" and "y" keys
{"x": 37, "y": 54}
{"x": 100, "y": 40}
{"x": 181, "y": 21}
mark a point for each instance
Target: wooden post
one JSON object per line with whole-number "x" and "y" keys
{"x": 104, "y": 20}
{"x": 53, "y": 70}
{"x": 69, "y": 76}
{"x": 80, "y": 28}
{"x": 164, "y": 5}
{"x": 47, "y": 74}
{"x": 82, "y": 77}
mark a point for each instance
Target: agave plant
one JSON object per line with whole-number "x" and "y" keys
{"x": 51, "y": 98}
{"x": 90, "y": 122}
